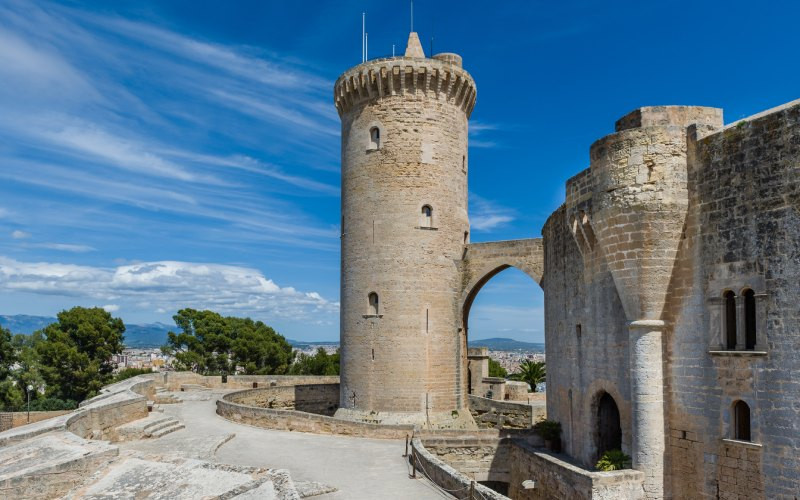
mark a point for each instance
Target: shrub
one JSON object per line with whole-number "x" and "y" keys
{"x": 548, "y": 429}
{"x": 52, "y": 404}
{"x": 131, "y": 372}
{"x": 613, "y": 460}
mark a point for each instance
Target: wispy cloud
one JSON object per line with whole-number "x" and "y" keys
{"x": 20, "y": 235}
{"x": 486, "y": 215}
{"x": 65, "y": 247}
{"x": 166, "y": 285}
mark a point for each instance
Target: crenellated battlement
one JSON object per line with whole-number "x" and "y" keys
{"x": 442, "y": 79}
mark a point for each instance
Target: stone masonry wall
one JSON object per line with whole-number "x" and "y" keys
{"x": 321, "y": 399}
{"x": 556, "y": 479}
{"x": 489, "y": 413}
{"x": 743, "y": 231}
{"x": 479, "y": 458}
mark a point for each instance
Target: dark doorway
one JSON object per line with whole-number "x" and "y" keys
{"x": 608, "y": 426}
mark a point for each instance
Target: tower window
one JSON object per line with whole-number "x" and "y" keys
{"x": 374, "y": 305}
{"x": 427, "y": 216}
{"x": 749, "y": 319}
{"x": 464, "y": 164}
{"x": 374, "y": 138}
{"x": 741, "y": 421}
{"x": 730, "y": 319}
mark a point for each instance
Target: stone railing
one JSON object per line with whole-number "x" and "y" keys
{"x": 293, "y": 420}
{"x": 546, "y": 475}
{"x": 446, "y": 477}
{"x": 490, "y": 413}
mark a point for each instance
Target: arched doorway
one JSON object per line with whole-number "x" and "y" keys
{"x": 609, "y": 430}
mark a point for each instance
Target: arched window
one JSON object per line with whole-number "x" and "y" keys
{"x": 374, "y": 138}
{"x": 427, "y": 216}
{"x": 749, "y": 319}
{"x": 741, "y": 421}
{"x": 374, "y": 305}
{"x": 730, "y": 319}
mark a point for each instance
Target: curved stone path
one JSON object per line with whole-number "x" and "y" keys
{"x": 359, "y": 468}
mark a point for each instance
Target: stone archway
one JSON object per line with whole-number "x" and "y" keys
{"x": 483, "y": 261}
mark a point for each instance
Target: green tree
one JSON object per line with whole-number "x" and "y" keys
{"x": 209, "y": 343}
{"x": 496, "y": 369}
{"x": 75, "y": 352}
{"x": 11, "y": 396}
{"x": 320, "y": 363}
{"x": 532, "y": 372}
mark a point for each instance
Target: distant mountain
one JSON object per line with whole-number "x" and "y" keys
{"x": 22, "y": 323}
{"x": 151, "y": 335}
{"x": 503, "y": 344}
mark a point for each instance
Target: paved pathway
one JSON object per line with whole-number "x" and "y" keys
{"x": 359, "y": 468}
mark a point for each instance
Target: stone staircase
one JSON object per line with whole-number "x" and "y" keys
{"x": 164, "y": 397}
{"x": 154, "y": 425}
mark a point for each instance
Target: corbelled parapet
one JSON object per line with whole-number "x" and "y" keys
{"x": 439, "y": 78}
{"x": 640, "y": 198}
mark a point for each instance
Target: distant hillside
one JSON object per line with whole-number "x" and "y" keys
{"x": 297, "y": 344}
{"x": 503, "y": 344}
{"x": 22, "y": 323}
{"x": 152, "y": 335}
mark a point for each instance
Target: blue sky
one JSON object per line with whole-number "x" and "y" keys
{"x": 156, "y": 155}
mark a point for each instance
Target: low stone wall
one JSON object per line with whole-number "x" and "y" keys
{"x": 21, "y": 417}
{"x": 445, "y": 476}
{"x": 96, "y": 418}
{"x": 489, "y": 413}
{"x": 554, "y": 478}
{"x": 172, "y": 381}
{"x": 481, "y": 458}
{"x": 293, "y": 420}
{"x": 321, "y": 399}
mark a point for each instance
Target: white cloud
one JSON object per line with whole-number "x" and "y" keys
{"x": 20, "y": 235}
{"x": 170, "y": 284}
{"x": 65, "y": 247}
{"x": 486, "y": 215}
{"x": 111, "y": 308}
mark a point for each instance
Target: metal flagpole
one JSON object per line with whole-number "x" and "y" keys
{"x": 363, "y": 31}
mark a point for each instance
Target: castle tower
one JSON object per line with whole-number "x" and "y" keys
{"x": 404, "y": 226}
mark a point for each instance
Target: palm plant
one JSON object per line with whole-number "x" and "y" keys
{"x": 532, "y": 372}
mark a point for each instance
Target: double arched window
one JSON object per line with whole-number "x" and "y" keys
{"x": 746, "y": 305}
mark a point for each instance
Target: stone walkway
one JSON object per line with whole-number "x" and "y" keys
{"x": 359, "y": 468}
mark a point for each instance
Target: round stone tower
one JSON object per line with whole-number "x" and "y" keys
{"x": 404, "y": 227}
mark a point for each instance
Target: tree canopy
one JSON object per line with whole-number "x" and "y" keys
{"x": 209, "y": 343}
{"x": 532, "y": 372}
{"x": 320, "y": 363}
{"x": 74, "y": 353}
{"x": 496, "y": 369}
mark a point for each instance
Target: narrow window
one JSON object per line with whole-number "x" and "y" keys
{"x": 749, "y": 319}
{"x": 427, "y": 320}
{"x": 373, "y": 304}
{"x": 730, "y": 320}
{"x": 466, "y": 237}
{"x": 578, "y": 330}
{"x": 374, "y": 138}
{"x": 741, "y": 421}
{"x": 373, "y": 355}
{"x": 427, "y": 216}
{"x": 464, "y": 164}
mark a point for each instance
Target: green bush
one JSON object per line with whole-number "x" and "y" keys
{"x": 130, "y": 373}
{"x": 548, "y": 429}
{"x": 496, "y": 369}
{"x": 613, "y": 460}
{"x": 51, "y": 404}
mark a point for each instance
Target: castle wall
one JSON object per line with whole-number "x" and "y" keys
{"x": 409, "y": 357}
{"x": 584, "y": 362}
{"x": 743, "y": 230}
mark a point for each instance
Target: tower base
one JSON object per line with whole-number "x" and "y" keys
{"x": 455, "y": 419}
